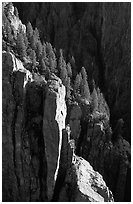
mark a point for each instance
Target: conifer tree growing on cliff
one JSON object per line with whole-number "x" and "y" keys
{"x": 51, "y": 57}
{"x": 29, "y": 31}
{"x": 94, "y": 97}
{"x": 68, "y": 88}
{"x": 42, "y": 69}
{"x": 77, "y": 83}
{"x": 16, "y": 12}
{"x": 69, "y": 70}
{"x": 33, "y": 59}
{"x": 21, "y": 48}
{"x": 85, "y": 91}
{"x": 39, "y": 49}
{"x": 61, "y": 58}
{"x": 63, "y": 74}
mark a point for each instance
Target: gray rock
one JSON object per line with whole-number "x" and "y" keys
{"x": 53, "y": 124}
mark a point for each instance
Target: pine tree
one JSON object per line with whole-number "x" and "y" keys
{"x": 33, "y": 42}
{"x": 44, "y": 51}
{"x": 85, "y": 91}
{"x": 29, "y": 31}
{"x": 36, "y": 34}
{"x": 43, "y": 67}
{"x": 61, "y": 59}
{"x": 16, "y": 12}
{"x": 94, "y": 100}
{"x": 39, "y": 49}
{"x": 102, "y": 104}
{"x": 49, "y": 49}
{"x": 52, "y": 58}
{"x": 25, "y": 40}
{"x": 77, "y": 83}
{"x": 68, "y": 88}
{"x": 84, "y": 73}
{"x": 63, "y": 73}
{"x": 69, "y": 70}
{"x": 72, "y": 61}
{"x": 21, "y": 48}
{"x": 33, "y": 59}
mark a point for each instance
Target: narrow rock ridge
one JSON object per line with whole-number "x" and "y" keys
{"x": 53, "y": 123}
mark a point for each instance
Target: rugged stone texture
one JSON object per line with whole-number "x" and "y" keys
{"x": 15, "y": 22}
{"x": 13, "y": 94}
{"x": 83, "y": 184}
{"x": 24, "y": 165}
{"x": 75, "y": 117}
{"x": 53, "y": 123}
{"x": 10, "y": 190}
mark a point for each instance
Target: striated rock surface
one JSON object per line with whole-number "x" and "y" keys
{"x": 13, "y": 97}
{"x": 24, "y": 166}
{"x": 83, "y": 184}
{"x": 53, "y": 124}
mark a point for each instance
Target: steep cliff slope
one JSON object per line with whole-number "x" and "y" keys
{"x": 58, "y": 144}
{"x": 98, "y": 36}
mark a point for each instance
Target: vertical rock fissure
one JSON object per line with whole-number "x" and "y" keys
{"x": 60, "y": 180}
{"x": 43, "y": 168}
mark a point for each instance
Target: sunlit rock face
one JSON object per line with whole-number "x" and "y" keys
{"x": 53, "y": 123}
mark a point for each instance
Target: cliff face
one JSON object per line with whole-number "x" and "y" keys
{"x": 59, "y": 151}
{"x": 98, "y": 36}
{"x": 33, "y": 151}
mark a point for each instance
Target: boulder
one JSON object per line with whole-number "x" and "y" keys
{"x": 83, "y": 184}
{"x": 53, "y": 124}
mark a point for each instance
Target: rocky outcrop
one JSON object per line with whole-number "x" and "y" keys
{"x": 53, "y": 124}
{"x": 13, "y": 97}
{"x": 22, "y": 142}
{"x": 83, "y": 184}
{"x": 15, "y": 22}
